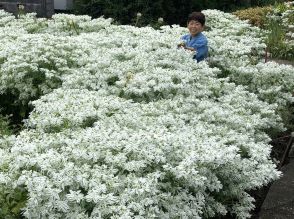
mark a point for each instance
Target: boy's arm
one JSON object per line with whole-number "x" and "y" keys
{"x": 201, "y": 49}
{"x": 183, "y": 43}
{"x": 201, "y": 52}
{"x": 196, "y": 47}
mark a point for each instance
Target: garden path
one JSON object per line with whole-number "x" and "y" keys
{"x": 279, "y": 202}
{"x": 280, "y": 61}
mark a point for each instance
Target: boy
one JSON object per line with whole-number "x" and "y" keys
{"x": 196, "y": 40}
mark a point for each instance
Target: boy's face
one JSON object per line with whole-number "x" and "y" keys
{"x": 194, "y": 27}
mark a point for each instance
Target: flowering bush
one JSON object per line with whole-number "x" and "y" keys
{"x": 237, "y": 48}
{"x": 145, "y": 159}
{"x": 125, "y": 125}
{"x": 278, "y": 21}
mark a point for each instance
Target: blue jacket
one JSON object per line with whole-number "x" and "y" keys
{"x": 199, "y": 43}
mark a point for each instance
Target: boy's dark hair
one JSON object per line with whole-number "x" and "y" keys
{"x": 197, "y": 16}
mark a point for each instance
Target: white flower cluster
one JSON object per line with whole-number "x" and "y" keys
{"x": 183, "y": 156}
{"x": 232, "y": 42}
{"x": 237, "y": 48}
{"x": 136, "y": 129}
{"x": 33, "y": 64}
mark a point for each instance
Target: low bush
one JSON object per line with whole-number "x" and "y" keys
{"x": 280, "y": 25}
{"x": 135, "y": 127}
{"x": 256, "y": 16}
{"x": 241, "y": 57}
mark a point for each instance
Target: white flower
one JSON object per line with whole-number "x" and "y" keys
{"x": 21, "y": 7}
{"x": 160, "y": 20}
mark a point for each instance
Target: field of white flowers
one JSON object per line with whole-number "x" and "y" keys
{"x": 125, "y": 125}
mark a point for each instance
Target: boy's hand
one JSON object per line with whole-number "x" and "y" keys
{"x": 190, "y": 48}
{"x": 183, "y": 45}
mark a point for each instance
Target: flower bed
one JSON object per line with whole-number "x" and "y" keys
{"x": 125, "y": 125}
{"x": 238, "y": 49}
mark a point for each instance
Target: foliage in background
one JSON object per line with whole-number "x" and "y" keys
{"x": 278, "y": 21}
{"x": 256, "y": 16}
{"x": 280, "y": 27}
{"x": 275, "y": 37}
{"x": 172, "y": 11}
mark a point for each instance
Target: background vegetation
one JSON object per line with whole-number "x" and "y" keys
{"x": 172, "y": 11}
{"x": 278, "y": 22}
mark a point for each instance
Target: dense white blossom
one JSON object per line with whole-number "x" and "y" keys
{"x": 238, "y": 49}
{"x": 129, "y": 126}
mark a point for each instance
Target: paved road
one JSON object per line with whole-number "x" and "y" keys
{"x": 279, "y": 203}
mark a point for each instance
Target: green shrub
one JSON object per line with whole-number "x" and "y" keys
{"x": 172, "y": 11}
{"x": 256, "y": 16}
{"x": 277, "y": 20}
{"x": 11, "y": 202}
{"x": 279, "y": 40}
{"x": 4, "y": 126}
{"x": 276, "y": 34}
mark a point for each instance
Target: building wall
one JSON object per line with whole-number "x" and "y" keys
{"x": 60, "y": 4}
{"x": 63, "y": 4}
{"x": 43, "y": 8}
